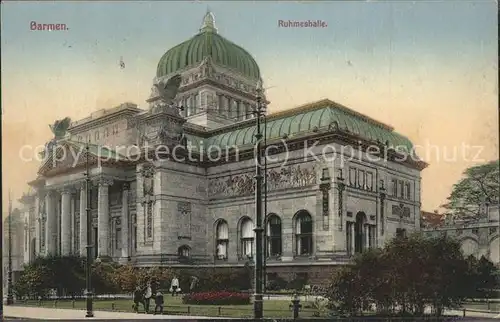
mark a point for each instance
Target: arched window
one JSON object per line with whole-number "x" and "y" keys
{"x": 273, "y": 233}
{"x": 304, "y": 233}
{"x": 97, "y": 135}
{"x": 106, "y": 132}
{"x": 247, "y": 238}
{"x": 221, "y": 239}
{"x": 183, "y": 252}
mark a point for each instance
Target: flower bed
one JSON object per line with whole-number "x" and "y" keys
{"x": 217, "y": 298}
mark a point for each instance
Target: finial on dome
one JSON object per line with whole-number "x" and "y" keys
{"x": 208, "y": 22}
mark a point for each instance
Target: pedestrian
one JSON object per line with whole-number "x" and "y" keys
{"x": 159, "y": 302}
{"x": 138, "y": 298}
{"x": 147, "y": 297}
{"x": 174, "y": 286}
{"x": 194, "y": 280}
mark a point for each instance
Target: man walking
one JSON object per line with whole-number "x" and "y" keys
{"x": 159, "y": 302}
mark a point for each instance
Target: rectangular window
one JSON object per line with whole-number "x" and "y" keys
{"x": 149, "y": 220}
{"x": 372, "y": 233}
{"x": 408, "y": 191}
{"x": 240, "y": 110}
{"x": 247, "y": 247}
{"x": 220, "y": 107}
{"x": 401, "y": 189}
{"x": 400, "y": 233}
{"x": 349, "y": 237}
{"x": 196, "y": 102}
{"x": 352, "y": 176}
{"x": 210, "y": 102}
{"x": 396, "y": 211}
{"x": 135, "y": 236}
{"x": 369, "y": 181}
{"x": 394, "y": 187}
{"x": 118, "y": 238}
{"x": 361, "y": 179}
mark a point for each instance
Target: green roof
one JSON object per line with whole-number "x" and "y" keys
{"x": 299, "y": 122}
{"x": 208, "y": 43}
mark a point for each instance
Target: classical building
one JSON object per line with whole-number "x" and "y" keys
{"x": 173, "y": 186}
{"x": 478, "y": 236}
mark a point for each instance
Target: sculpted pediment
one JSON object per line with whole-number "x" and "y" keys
{"x": 64, "y": 156}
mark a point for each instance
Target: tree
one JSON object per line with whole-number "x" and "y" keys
{"x": 409, "y": 274}
{"x": 479, "y": 185}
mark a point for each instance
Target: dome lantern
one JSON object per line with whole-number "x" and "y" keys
{"x": 208, "y": 23}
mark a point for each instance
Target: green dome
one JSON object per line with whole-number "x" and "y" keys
{"x": 208, "y": 43}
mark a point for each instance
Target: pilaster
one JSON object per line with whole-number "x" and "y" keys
{"x": 38, "y": 218}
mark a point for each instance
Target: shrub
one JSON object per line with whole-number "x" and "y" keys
{"x": 277, "y": 283}
{"x": 297, "y": 282}
{"x": 403, "y": 278}
{"x": 217, "y": 298}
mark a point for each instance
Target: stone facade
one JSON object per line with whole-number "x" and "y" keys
{"x": 327, "y": 197}
{"x": 478, "y": 237}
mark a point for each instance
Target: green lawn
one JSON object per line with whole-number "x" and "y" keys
{"x": 173, "y": 305}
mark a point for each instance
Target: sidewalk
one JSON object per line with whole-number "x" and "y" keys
{"x": 69, "y": 314}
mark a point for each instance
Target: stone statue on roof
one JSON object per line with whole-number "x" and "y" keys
{"x": 60, "y": 127}
{"x": 167, "y": 90}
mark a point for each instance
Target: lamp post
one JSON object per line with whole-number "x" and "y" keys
{"x": 88, "y": 293}
{"x": 257, "y": 302}
{"x": 10, "y": 297}
{"x": 265, "y": 253}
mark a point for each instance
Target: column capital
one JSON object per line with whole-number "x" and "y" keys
{"x": 66, "y": 190}
{"x": 104, "y": 182}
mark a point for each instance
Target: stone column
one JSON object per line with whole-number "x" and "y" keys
{"x": 125, "y": 224}
{"x": 51, "y": 224}
{"x": 37, "y": 224}
{"x": 103, "y": 219}
{"x": 66, "y": 222}
{"x": 83, "y": 220}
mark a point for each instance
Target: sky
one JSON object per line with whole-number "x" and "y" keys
{"x": 429, "y": 69}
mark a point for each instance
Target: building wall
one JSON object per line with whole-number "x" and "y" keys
{"x": 477, "y": 239}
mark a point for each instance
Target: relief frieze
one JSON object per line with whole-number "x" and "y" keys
{"x": 296, "y": 176}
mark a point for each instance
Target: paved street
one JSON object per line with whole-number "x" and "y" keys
{"x": 38, "y": 313}
{"x": 35, "y": 313}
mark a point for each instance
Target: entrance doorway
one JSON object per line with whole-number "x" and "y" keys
{"x": 359, "y": 237}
